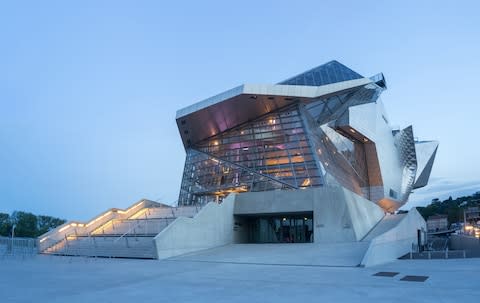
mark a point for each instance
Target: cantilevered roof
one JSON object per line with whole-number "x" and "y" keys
{"x": 246, "y": 102}
{"x": 249, "y": 101}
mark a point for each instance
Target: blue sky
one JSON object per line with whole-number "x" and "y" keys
{"x": 89, "y": 89}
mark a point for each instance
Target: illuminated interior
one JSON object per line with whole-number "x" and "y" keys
{"x": 271, "y": 152}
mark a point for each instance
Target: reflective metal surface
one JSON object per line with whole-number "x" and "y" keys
{"x": 408, "y": 161}
{"x": 425, "y": 151}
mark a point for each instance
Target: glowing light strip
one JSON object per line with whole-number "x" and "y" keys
{"x": 138, "y": 213}
{"x": 63, "y": 228}
{"x": 74, "y": 224}
{"x": 43, "y": 239}
{"x": 129, "y": 209}
{"x": 102, "y": 226}
{"x": 99, "y": 218}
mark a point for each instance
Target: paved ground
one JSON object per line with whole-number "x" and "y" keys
{"x": 334, "y": 254}
{"x": 60, "y": 279}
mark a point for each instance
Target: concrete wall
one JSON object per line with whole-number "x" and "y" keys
{"x": 213, "y": 226}
{"x": 396, "y": 242}
{"x": 364, "y": 214}
{"x": 459, "y": 242}
{"x": 339, "y": 216}
{"x": 342, "y": 216}
{"x": 275, "y": 201}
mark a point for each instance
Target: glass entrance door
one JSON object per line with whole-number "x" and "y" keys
{"x": 281, "y": 229}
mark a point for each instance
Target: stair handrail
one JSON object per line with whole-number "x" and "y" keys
{"x": 128, "y": 231}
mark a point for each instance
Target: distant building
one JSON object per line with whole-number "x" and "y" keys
{"x": 437, "y": 223}
{"x": 472, "y": 214}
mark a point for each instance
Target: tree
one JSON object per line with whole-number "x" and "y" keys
{"x": 25, "y": 224}
{"x": 47, "y": 223}
{"x": 5, "y": 225}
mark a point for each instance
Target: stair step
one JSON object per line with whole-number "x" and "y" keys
{"x": 122, "y": 238}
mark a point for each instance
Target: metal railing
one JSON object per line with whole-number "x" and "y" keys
{"x": 116, "y": 231}
{"x": 18, "y": 246}
{"x": 432, "y": 251}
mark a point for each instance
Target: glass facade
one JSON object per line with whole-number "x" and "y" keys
{"x": 330, "y": 72}
{"x": 271, "y": 152}
{"x": 280, "y": 229}
{"x": 291, "y": 148}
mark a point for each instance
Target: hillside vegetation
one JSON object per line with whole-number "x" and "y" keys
{"x": 453, "y": 208}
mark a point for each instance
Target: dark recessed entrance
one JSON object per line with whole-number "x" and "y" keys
{"x": 281, "y": 229}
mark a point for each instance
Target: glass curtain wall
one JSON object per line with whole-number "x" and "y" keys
{"x": 281, "y": 229}
{"x": 271, "y": 152}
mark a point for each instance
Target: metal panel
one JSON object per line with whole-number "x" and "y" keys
{"x": 406, "y": 146}
{"x": 426, "y": 152}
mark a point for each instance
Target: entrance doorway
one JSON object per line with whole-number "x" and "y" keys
{"x": 281, "y": 229}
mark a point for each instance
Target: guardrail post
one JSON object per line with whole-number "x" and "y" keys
{"x": 67, "y": 246}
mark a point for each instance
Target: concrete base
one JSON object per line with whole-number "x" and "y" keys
{"x": 339, "y": 215}
{"x": 390, "y": 239}
{"x": 342, "y": 220}
{"x": 211, "y": 227}
{"x": 395, "y": 241}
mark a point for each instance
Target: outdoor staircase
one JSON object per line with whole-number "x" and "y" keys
{"x": 116, "y": 233}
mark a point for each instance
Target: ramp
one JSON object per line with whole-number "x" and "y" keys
{"x": 388, "y": 222}
{"x": 347, "y": 254}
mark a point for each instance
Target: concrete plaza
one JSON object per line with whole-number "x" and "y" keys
{"x": 78, "y": 279}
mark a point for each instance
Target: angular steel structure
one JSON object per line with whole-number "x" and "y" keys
{"x": 324, "y": 127}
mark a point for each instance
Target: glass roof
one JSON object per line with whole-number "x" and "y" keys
{"x": 330, "y": 72}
